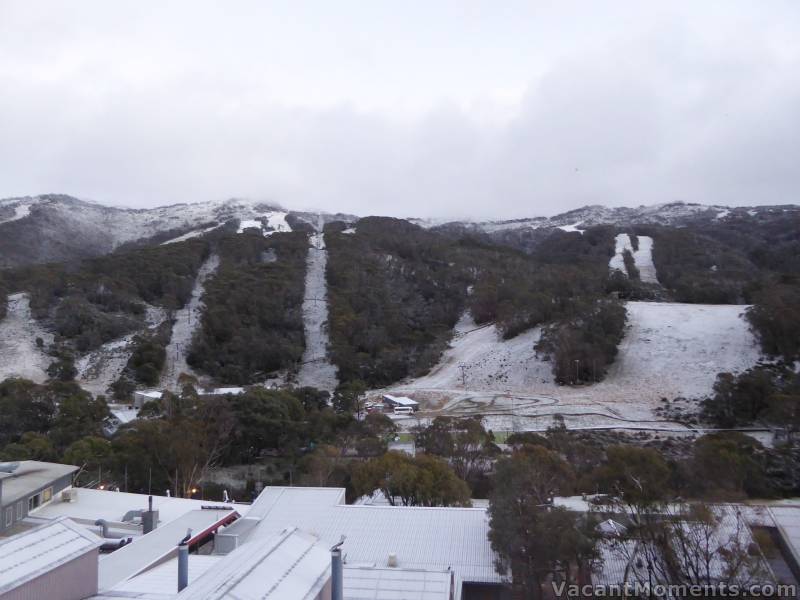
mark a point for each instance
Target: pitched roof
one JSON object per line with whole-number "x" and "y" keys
{"x": 28, "y": 555}
{"x": 156, "y": 546}
{"x": 289, "y": 564}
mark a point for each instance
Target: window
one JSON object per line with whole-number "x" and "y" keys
{"x": 20, "y": 508}
{"x": 9, "y": 516}
{"x": 47, "y": 495}
{"x": 34, "y": 502}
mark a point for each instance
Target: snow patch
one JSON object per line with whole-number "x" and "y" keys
{"x": 571, "y": 228}
{"x": 187, "y": 320}
{"x": 643, "y": 257}
{"x": 277, "y": 222}
{"x": 190, "y": 235}
{"x": 267, "y": 223}
{"x": 621, "y": 243}
{"x": 480, "y": 357}
{"x": 98, "y": 369}
{"x": 21, "y": 211}
{"x": 19, "y": 354}
{"x": 316, "y": 369}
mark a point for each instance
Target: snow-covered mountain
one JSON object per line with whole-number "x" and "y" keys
{"x": 55, "y": 227}
{"x": 673, "y": 214}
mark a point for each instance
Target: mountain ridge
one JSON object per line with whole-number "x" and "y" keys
{"x": 59, "y": 227}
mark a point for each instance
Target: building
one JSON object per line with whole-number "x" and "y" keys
{"x": 26, "y": 486}
{"x": 285, "y": 538}
{"x": 392, "y": 402}
{"x": 57, "y": 560}
{"x": 281, "y": 548}
{"x": 141, "y": 397}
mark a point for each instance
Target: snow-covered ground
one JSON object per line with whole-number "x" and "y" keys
{"x": 571, "y": 228}
{"x": 98, "y": 369}
{"x": 19, "y": 354}
{"x": 21, "y": 210}
{"x": 673, "y": 349}
{"x": 190, "y": 235}
{"x": 269, "y": 223}
{"x": 316, "y": 369}
{"x": 621, "y": 243}
{"x": 187, "y": 320}
{"x": 643, "y": 257}
{"x": 481, "y": 358}
{"x": 670, "y": 350}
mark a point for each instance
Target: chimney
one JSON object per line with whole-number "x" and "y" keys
{"x": 337, "y": 572}
{"x": 183, "y": 561}
{"x": 149, "y": 517}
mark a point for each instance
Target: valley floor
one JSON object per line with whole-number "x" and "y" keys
{"x": 670, "y": 350}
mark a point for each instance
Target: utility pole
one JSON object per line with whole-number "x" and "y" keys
{"x": 463, "y": 368}
{"x": 577, "y": 366}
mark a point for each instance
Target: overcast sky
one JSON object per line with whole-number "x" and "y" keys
{"x": 429, "y": 108}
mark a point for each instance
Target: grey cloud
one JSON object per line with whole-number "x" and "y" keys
{"x": 656, "y": 114}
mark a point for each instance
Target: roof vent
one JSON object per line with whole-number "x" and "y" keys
{"x": 392, "y": 562}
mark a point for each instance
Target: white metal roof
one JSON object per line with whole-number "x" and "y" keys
{"x": 163, "y": 579}
{"x": 422, "y": 538}
{"x": 288, "y": 565}
{"x": 365, "y": 583}
{"x": 401, "y": 400}
{"x": 28, "y": 555}
{"x": 90, "y": 505}
{"x": 156, "y": 546}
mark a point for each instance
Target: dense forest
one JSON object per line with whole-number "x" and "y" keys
{"x": 253, "y": 324}
{"x": 396, "y": 291}
{"x": 100, "y": 299}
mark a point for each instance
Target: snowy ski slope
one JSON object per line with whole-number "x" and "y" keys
{"x": 669, "y": 350}
{"x": 19, "y": 354}
{"x": 643, "y": 257}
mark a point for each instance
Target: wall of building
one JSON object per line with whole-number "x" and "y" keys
{"x": 20, "y": 507}
{"x": 74, "y": 580}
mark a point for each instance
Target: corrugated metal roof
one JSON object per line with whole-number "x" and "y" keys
{"x": 287, "y": 565}
{"x": 422, "y": 538}
{"x": 163, "y": 579}
{"x": 36, "y": 551}
{"x": 401, "y": 400}
{"x": 362, "y": 583}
